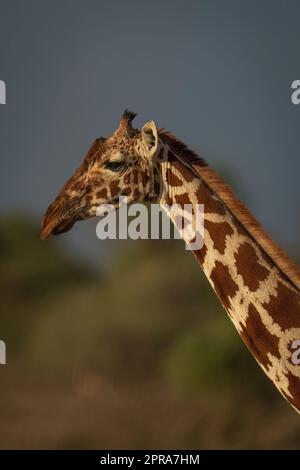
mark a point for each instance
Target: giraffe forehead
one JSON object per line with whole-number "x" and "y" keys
{"x": 115, "y": 147}
{"x": 124, "y": 141}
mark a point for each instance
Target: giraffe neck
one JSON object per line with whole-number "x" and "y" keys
{"x": 261, "y": 299}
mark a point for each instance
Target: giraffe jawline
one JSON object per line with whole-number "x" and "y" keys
{"x": 62, "y": 228}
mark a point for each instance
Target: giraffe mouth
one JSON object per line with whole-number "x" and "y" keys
{"x": 59, "y": 219}
{"x": 55, "y": 227}
{"x": 62, "y": 214}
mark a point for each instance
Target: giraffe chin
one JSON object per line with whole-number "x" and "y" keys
{"x": 55, "y": 227}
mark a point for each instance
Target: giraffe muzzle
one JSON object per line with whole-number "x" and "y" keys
{"x": 55, "y": 227}
{"x": 60, "y": 218}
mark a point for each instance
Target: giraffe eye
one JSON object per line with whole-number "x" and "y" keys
{"x": 115, "y": 166}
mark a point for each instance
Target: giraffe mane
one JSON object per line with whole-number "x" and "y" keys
{"x": 178, "y": 147}
{"x": 235, "y": 206}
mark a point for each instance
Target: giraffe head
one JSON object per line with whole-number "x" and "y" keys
{"x": 121, "y": 165}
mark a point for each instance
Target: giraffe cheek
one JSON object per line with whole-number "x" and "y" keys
{"x": 101, "y": 196}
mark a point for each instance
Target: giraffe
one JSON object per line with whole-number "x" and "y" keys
{"x": 258, "y": 286}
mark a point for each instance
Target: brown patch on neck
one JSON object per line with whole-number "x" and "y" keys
{"x": 258, "y": 339}
{"x": 248, "y": 267}
{"x": 224, "y": 285}
{"x": 284, "y": 308}
{"x": 218, "y": 233}
{"x": 182, "y": 199}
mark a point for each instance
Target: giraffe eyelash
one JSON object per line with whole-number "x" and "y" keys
{"x": 116, "y": 165}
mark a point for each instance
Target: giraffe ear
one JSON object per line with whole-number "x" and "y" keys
{"x": 150, "y": 137}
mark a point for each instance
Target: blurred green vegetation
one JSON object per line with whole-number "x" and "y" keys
{"x": 143, "y": 356}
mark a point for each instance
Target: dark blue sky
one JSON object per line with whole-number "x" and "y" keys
{"x": 216, "y": 73}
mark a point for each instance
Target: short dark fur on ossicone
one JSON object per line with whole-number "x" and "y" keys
{"x": 125, "y": 125}
{"x": 129, "y": 116}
